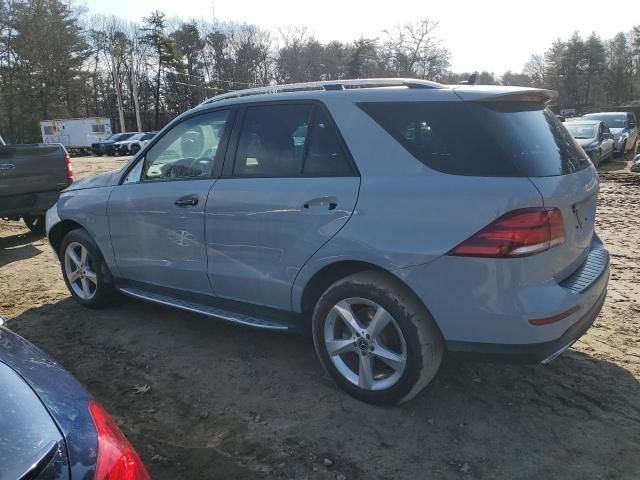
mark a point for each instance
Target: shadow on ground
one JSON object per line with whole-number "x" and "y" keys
{"x": 228, "y": 402}
{"x": 17, "y": 247}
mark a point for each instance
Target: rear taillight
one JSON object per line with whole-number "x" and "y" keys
{"x": 117, "y": 460}
{"x": 67, "y": 162}
{"x": 518, "y": 233}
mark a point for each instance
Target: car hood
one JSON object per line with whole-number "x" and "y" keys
{"x": 102, "y": 180}
{"x": 616, "y": 131}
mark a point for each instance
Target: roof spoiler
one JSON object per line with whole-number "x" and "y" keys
{"x": 533, "y": 95}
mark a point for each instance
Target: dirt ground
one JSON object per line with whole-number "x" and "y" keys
{"x": 224, "y": 402}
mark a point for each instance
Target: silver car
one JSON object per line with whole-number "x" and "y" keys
{"x": 623, "y": 126}
{"x": 393, "y": 219}
{"x": 594, "y": 137}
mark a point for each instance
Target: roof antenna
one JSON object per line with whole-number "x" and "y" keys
{"x": 471, "y": 80}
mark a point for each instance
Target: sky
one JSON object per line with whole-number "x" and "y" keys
{"x": 492, "y": 35}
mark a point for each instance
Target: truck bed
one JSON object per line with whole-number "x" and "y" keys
{"x": 31, "y": 177}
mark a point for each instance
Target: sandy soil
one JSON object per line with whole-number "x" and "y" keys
{"x": 225, "y": 402}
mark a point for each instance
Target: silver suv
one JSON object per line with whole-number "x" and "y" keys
{"x": 623, "y": 126}
{"x": 394, "y": 219}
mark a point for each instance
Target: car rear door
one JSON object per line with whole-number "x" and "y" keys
{"x": 289, "y": 185}
{"x": 156, "y": 216}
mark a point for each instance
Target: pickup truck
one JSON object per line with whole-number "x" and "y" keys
{"x": 31, "y": 178}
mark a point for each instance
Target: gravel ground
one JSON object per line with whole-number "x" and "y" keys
{"x": 202, "y": 399}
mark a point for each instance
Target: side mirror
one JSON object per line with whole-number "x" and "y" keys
{"x": 632, "y": 125}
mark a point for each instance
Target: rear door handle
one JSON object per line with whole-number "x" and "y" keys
{"x": 188, "y": 201}
{"x": 330, "y": 203}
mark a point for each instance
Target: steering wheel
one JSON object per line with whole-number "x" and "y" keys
{"x": 181, "y": 169}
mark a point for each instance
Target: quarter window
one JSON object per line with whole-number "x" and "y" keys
{"x": 289, "y": 140}
{"x": 188, "y": 150}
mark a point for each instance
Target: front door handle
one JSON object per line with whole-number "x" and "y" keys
{"x": 330, "y": 203}
{"x": 189, "y": 201}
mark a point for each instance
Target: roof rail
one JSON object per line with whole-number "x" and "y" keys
{"x": 327, "y": 85}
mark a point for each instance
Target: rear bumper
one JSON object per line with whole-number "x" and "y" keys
{"x": 533, "y": 352}
{"x": 501, "y": 310}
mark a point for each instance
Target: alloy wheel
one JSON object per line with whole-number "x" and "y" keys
{"x": 365, "y": 344}
{"x": 80, "y": 272}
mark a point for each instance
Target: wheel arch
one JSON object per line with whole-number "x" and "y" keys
{"x": 59, "y": 231}
{"x": 331, "y": 273}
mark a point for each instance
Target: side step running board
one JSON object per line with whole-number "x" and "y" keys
{"x": 233, "y": 317}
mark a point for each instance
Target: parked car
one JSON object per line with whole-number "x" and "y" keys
{"x": 635, "y": 165}
{"x": 594, "y": 137}
{"x": 31, "y": 178}
{"x": 106, "y": 147}
{"x": 394, "y": 223}
{"x": 51, "y": 427}
{"x": 133, "y": 144}
{"x": 623, "y": 126}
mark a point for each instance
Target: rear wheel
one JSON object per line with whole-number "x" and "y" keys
{"x": 375, "y": 339}
{"x": 84, "y": 270}
{"x": 35, "y": 223}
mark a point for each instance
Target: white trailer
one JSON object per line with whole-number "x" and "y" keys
{"x": 76, "y": 134}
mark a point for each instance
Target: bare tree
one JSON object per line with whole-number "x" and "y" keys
{"x": 412, "y": 49}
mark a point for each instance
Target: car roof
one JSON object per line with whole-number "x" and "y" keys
{"x": 369, "y": 89}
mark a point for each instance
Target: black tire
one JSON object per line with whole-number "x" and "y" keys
{"x": 135, "y": 149}
{"x": 35, "y": 223}
{"x": 423, "y": 342}
{"x": 623, "y": 151}
{"x": 103, "y": 290}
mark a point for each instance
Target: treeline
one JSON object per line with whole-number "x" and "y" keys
{"x": 58, "y": 61}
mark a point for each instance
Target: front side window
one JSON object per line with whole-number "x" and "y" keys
{"x": 289, "y": 140}
{"x": 188, "y": 150}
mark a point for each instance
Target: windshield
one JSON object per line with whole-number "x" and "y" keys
{"x": 122, "y": 136}
{"x": 581, "y": 131}
{"x": 612, "y": 121}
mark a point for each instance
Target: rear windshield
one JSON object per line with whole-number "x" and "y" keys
{"x": 610, "y": 120}
{"x": 25, "y": 426}
{"x": 501, "y": 139}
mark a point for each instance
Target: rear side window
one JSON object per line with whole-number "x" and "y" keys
{"x": 289, "y": 140}
{"x": 501, "y": 139}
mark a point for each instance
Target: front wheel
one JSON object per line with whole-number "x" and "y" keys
{"x": 84, "y": 270}
{"x": 135, "y": 149}
{"x": 35, "y": 223}
{"x": 597, "y": 158}
{"x": 375, "y": 339}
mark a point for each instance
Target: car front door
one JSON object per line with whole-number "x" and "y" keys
{"x": 156, "y": 216}
{"x": 291, "y": 188}
{"x": 607, "y": 144}
{"x": 633, "y": 131}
